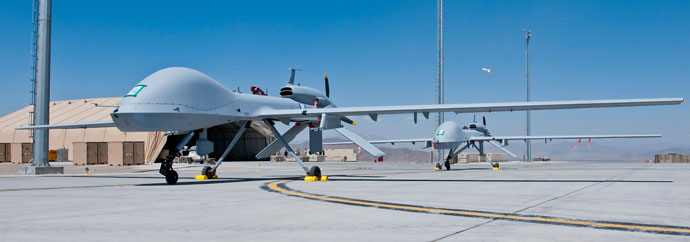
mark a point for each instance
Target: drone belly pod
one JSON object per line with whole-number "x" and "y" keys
{"x": 174, "y": 99}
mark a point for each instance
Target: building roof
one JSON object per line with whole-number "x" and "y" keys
{"x": 77, "y": 111}
{"x": 61, "y": 112}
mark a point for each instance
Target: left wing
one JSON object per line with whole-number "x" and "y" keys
{"x": 98, "y": 124}
{"x": 391, "y": 141}
{"x": 625, "y": 136}
{"x": 373, "y": 111}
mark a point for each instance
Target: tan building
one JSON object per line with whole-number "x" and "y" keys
{"x": 475, "y": 157}
{"x": 346, "y": 155}
{"x": 671, "y": 158}
{"x": 109, "y": 145}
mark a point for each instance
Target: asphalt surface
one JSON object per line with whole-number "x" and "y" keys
{"x": 563, "y": 201}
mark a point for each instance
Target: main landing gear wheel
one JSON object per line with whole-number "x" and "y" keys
{"x": 171, "y": 177}
{"x": 447, "y": 165}
{"x": 315, "y": 171}
{"x": 208, "y": 171}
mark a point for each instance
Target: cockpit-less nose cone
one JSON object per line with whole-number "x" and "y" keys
{"x": 175, "y": 98}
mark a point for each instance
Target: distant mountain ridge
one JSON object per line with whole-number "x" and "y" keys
{"x": 561, "y": 150}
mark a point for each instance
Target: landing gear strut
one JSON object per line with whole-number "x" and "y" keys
{"x": 167, "y": 164}
{"x": 167, "y": 170}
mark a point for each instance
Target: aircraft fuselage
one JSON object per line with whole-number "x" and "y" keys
{"x": 182, "y": 99}
{"x": 450, "y": 135}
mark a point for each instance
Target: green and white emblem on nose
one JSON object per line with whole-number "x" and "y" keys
{"x": 135, "y": 91}
{"x": 440, "y": 132}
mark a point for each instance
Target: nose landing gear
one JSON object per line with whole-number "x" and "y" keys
{"x": 167, "y": 170}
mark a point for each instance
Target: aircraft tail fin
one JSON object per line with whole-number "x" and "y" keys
{"x": 291, "y": 81}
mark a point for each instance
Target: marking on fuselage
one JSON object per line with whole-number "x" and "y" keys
{"x": 281, "y": 187}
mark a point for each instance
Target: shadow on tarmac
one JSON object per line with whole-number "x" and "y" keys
{"x": 222, "y": 180}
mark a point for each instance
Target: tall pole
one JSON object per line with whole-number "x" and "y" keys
{"x": 528, "y": 35}
{"x": 440, "y": 67}
{"x": 40, "y": 148}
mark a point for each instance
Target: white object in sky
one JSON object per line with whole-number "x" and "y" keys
{"x": 487, "y": 70}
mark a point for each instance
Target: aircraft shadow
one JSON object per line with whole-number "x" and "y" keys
{"x": 116, "y": 176}
{"x": 223, "y": 180}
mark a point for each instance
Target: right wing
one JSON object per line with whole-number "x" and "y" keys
{"x": 624, "y": 136}
{"x": 373, "y": 111}
{"x": 98, "y": 124}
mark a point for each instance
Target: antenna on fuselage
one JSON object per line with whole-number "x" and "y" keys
{"x": 291, "y": 81}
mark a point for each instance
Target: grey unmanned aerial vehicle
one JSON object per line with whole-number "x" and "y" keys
{"x": 449, "y": 136}
{"x": 161, "y": 102}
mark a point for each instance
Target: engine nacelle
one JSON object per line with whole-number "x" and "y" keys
{"x": 305, "y": 95}
{"x": 480, "y": 128}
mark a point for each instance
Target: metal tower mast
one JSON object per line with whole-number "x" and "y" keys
{"x": 34, "y": 52}
{"x": 40, "y": 152}
{"x": 528, "y": 35}
{"x": 440, "y": 66}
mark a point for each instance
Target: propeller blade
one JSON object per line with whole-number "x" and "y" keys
{"x": 578, "y": 143}
{"x": 589, "y": 141}
{"x": 348, "y": 120}
{"x": 484, "y": 119}
{"x": 328, "y": 89}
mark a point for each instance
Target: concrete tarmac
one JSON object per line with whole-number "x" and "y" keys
{"x": 540, "y": 201}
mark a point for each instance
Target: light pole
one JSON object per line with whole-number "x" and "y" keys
{"x": 440, "y": 69}
{"x": 40, "y": 149}
{"x": 528, "y": 35}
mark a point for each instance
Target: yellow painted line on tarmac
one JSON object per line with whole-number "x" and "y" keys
{"x": 558, "y": 221}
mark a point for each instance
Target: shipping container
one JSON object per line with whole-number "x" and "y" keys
{"x": 27, "y": 152}
{"x": 5, "y": 152}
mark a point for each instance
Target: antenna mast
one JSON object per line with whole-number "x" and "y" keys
{"x": 528, "y": 35}
{"x": 440, "y": 67}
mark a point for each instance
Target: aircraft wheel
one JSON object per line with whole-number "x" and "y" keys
{"x": 208, "y": 171}
{"x": 315, "y": 171}
{"x": 171, "y": 177}
{"x": 438, "y": 167}
{"x": 447, "y": 165}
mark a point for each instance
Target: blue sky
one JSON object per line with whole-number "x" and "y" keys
{"x": 379, "y": 53}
